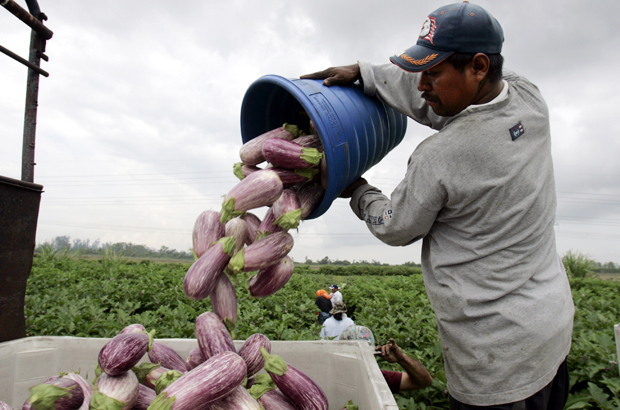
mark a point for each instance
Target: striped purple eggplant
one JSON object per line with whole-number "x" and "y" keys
{"x": 268, "y": 225}
{"x": 276, "y": 400}
{"x": 123, "y": 352}
{"x": 148, "y": 373}
{"x": 251, "y": 153}
{"x": 212, "y": 335}
{"x": 253, "y": 222}
{"x": 166, "y": 379}
{"x": 208, "y": 229}
{"x": 287, "y": 210}
{"x": 242, "y": 170}
{"x": 224, "y": 301}
{"x": 262, "y": 253}
{"x": 204, "y": 385}
{"x": 260, "y": 188}
{"x": 145, "y": 396}
{"x": 293, "y": 177}
{"x": 271, "y": 279}
{"x": 194, "y": 358}
{"x": 4, "y": 406}
{"x": 115, "y": 392}
{"x": 250, "y": 352}
{"x": 202, "y": 276}
{"x": 309, "y": 141}
{"x": 287, "y": 154}
{"x": 310, "y": 196}
{"x": 237, "y": 228}
{"x": 87, "y": 389}
{"x": 136, "y": 327}
{"x": 239, "y": 399}
{"x": 296, "y": 385}
{"x": 60, "y": 393}
{"x": 167, "y": 357}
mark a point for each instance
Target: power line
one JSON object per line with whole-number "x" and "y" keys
{"x": 132, "y": 175}
{"x": 587, "y": 235}
{"x": 119, "y": 228}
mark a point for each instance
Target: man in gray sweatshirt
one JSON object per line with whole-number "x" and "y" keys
{"x": 480, "y": 193}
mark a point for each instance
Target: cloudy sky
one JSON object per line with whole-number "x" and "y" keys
{"x": 139, "y": 120}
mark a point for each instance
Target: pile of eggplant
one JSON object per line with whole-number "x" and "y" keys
{"x": 234, "y": 240}
{"x": 214, "y": 376}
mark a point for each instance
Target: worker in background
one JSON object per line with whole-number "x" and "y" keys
{"x": 337, "y": 323}
{"x": 336, "y": 295}
{"x": 324, "y": 304}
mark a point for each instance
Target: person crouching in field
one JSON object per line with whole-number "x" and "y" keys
{"x": 415, "y": 375}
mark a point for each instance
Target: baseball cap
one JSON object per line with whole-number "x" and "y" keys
{"x": 355, "y": 332}
{"x": 322, "y": 292}
{"x": 334, "y": 286}
{"x": 339, "y": 307}
{"x": 455, "y": 28}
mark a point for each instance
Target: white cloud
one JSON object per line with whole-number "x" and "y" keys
{"x": 139, "y": 121}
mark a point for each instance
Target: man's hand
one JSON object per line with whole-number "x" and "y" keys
{"x": 416, "y": 376}
{"x": 343, "y": 75}
{"x": 390, "y": 352}
{"x": 351, "y": 188}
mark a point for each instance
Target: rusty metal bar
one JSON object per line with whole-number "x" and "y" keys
{"x": 25, "y": 62}
{"x": 34, "y": 9}
{"x": 20, "y": 200}
{"x": 27, "y": 18}
{"x": 37, "y": 48}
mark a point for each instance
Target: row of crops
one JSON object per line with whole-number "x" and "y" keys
{"x": 97, "y": 298}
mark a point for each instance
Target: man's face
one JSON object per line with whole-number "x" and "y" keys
{"x": 447, "y": 90}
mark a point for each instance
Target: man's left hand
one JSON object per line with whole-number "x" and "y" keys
{"x": 390, "y": 352}
{"x": 351, "y": 188}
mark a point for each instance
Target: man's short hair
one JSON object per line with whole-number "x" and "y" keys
{"x": 496, "y": 63}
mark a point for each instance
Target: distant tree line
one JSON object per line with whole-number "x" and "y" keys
{"x": 607, "y": 267}
{"x": 577, "y": 263}
{"x": 359, "y": 269}
{"x": 96, "y": 248}
{"x": 338, "y": 262}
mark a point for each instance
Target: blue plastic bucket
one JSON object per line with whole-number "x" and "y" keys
{"x": 357, "y": 131}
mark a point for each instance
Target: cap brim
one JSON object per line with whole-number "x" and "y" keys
{"x": 419, "y": 58}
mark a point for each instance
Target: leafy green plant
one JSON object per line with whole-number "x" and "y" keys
{"x": 48, "y": 252}
{"x": 577, "y": 265}
{"x": 90, "y": 298}
{"x": 112, "y": 259}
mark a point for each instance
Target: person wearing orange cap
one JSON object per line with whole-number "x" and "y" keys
{"x": 480, "y": 195}
{"x": 324, "y": 304}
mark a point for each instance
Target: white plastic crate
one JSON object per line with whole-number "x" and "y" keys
{"x": 345, "y": 370}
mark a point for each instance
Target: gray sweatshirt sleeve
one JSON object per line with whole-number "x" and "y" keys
{"x": 399, "y": 89}
{"x": 396, "y": 221}
{"x": 409, "y": 213}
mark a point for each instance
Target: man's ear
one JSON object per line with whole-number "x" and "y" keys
{"x": 480, "y": 65}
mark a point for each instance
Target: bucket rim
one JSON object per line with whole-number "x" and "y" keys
{"x": 289, "y": 85}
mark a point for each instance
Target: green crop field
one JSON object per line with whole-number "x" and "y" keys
{"x": 98, "y": 297}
